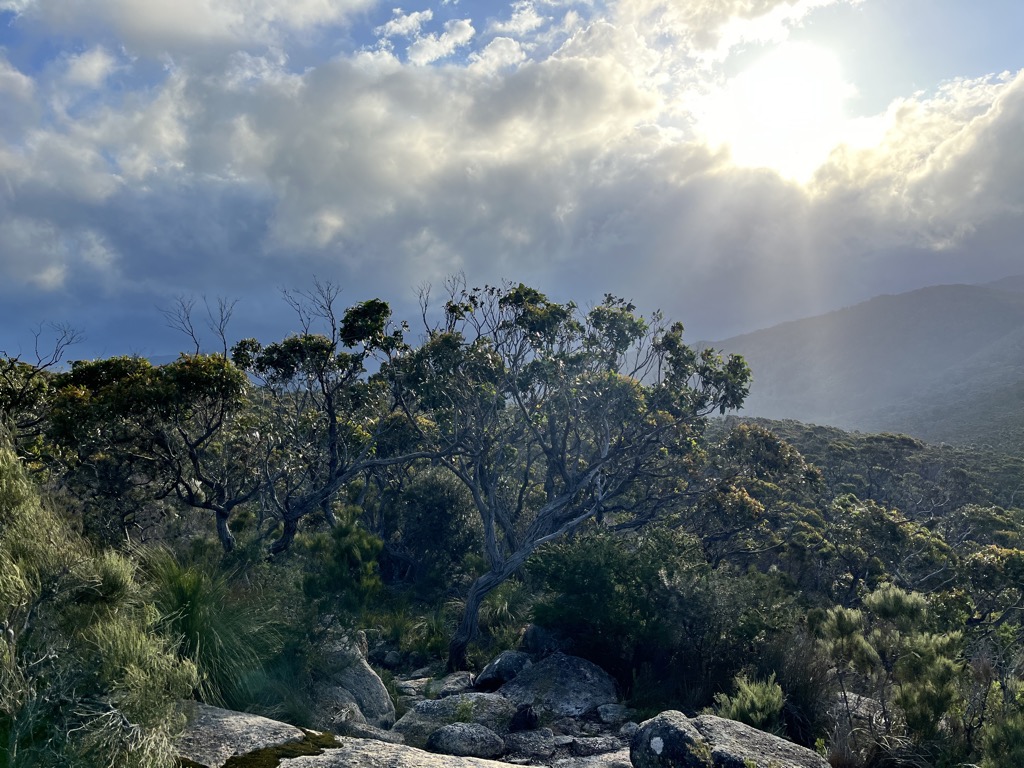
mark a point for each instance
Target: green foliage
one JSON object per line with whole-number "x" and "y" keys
{"x": 85, "y": 679}
{"x": 340, "y": 566}
{"x": 1003, "y": 742}
{"x": 650, "y": 610}
{"x": 226, "y": 633}
{"x": 431, "y": 533}
{"x": 887, "y": 653}
{"x": 755, "y": 702}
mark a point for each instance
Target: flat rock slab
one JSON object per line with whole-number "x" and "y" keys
{"x": 215, "y": 734}
{"x": 618, "y": 759}
{"x": 357, "y": 753}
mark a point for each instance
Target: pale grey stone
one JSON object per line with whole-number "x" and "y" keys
{"x": 584, "y": 746}
{"x": 360, "y": 753}
{"x": 738, "y": 744}
{"x": 672, "y": 740}
{"x": 613, "y": 714}
{"x": 466, "y": 740}
{"x": 213, "y": 735}
{"x": 619, "y": 759}
{"x": 457, "y": 682}
{"x": 538, "y": 744}
{"x": 487, "y": 709}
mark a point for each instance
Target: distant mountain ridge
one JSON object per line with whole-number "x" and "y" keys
{"x": 943, "y": 363}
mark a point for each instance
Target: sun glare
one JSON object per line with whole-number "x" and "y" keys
{"x": 785, "y": 112}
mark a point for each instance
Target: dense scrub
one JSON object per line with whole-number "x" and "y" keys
{"x": 202, "y": 529}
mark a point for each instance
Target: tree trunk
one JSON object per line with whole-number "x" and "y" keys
{"x": 469, "y": 627}
{"x": 291, "y": 527}
{"x": 227, "y": 540}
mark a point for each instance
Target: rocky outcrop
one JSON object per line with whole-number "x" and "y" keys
{"x": 503, "y": 668}
{"x": 561, "y": 686}
{"x": 617, "y": 759}
{"x": 466, "y": 740}
{"x": 351, "y": 691}
{"x": 214, "y": 735}
{"x": 487, "y": 709}
{"x": 672, "y": 740}
{"x": 456, "y": 682}
{"x": 378, "y": 754}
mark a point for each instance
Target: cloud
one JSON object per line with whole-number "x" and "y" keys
{"x": 573, "y": 168}
{"x": 91, "y": 68}
{"x": 404, "y": 24}
{"x": 710, "y": 28}
{"x": 524, "y": 19}
{"x": 155, "y": 27}
{"x": 430, "y": 48}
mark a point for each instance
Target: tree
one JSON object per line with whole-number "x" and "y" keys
{"x": 25, "y": 388}
{"x": 551, "y": 417}
{"x": 183, "y": 429}
{"x": 328, "y": 415}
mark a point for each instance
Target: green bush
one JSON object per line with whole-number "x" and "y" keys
{"x": 755, "y": 702}
{"x": 650, "y": 610}
{"x": 85, "y": 679}
{"x": 225, "y": 632}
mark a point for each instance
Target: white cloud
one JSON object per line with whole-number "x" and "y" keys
{"x": 500, "y": 54}
{"x": 573, "y": 167}
{"x": 13, "y": 83}
{"x": 90, "y": 68}
{"x": 524, "y": 19}
{"x": 404, "y": 24}
{"x": 155, "y": 27}
{"x": 430, "y": 48}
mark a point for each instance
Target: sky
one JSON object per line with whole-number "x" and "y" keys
{"x": 735, "y": 163}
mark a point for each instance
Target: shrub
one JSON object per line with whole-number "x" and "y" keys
{"x": 757, "y": 703}
{"x": 226, "y": 634}
{"x": 84, "y": 678}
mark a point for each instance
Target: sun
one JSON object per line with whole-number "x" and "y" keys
{"x": 785, "y": 112}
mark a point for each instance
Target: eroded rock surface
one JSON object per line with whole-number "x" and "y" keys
{"x": 486, "y": 709}
{"x": 672, "y": 740}
{"x": 562, "y": 685}
{"x": 466, "y": 740}
{"x": 214, "y": 735}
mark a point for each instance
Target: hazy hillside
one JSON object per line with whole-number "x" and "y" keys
{"x": 945, "y": 363}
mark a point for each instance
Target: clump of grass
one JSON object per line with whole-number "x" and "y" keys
{"x": 227, "y": 634}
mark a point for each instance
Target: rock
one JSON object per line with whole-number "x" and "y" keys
{"x": 613, "y": 714}
{"x": 457, "y": 682}
{"x": 561, "y": 685}
{"x": 536, "y": 745}
{"x": 672, "y": 740}
{"x": 367, "y": 731}
{"x": 413, "y": 687}
{"x": 466, "y": 740}
{"x": 584, "y": 746}
{"x": 392, "y": 660}
{"x": 669, "y": 740}
{"x": 628, "y": 730}
{"x": 359, "y": 753}
{"x": 739, "y": 744}
{"x": 213, "y": 735}
{"x": 525, "y": 718}
{"x": 501, "y": 669}
{"x": 619, "y": 759}
{"x": 487, "y": 709}
{"x": 350, "y": 680}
